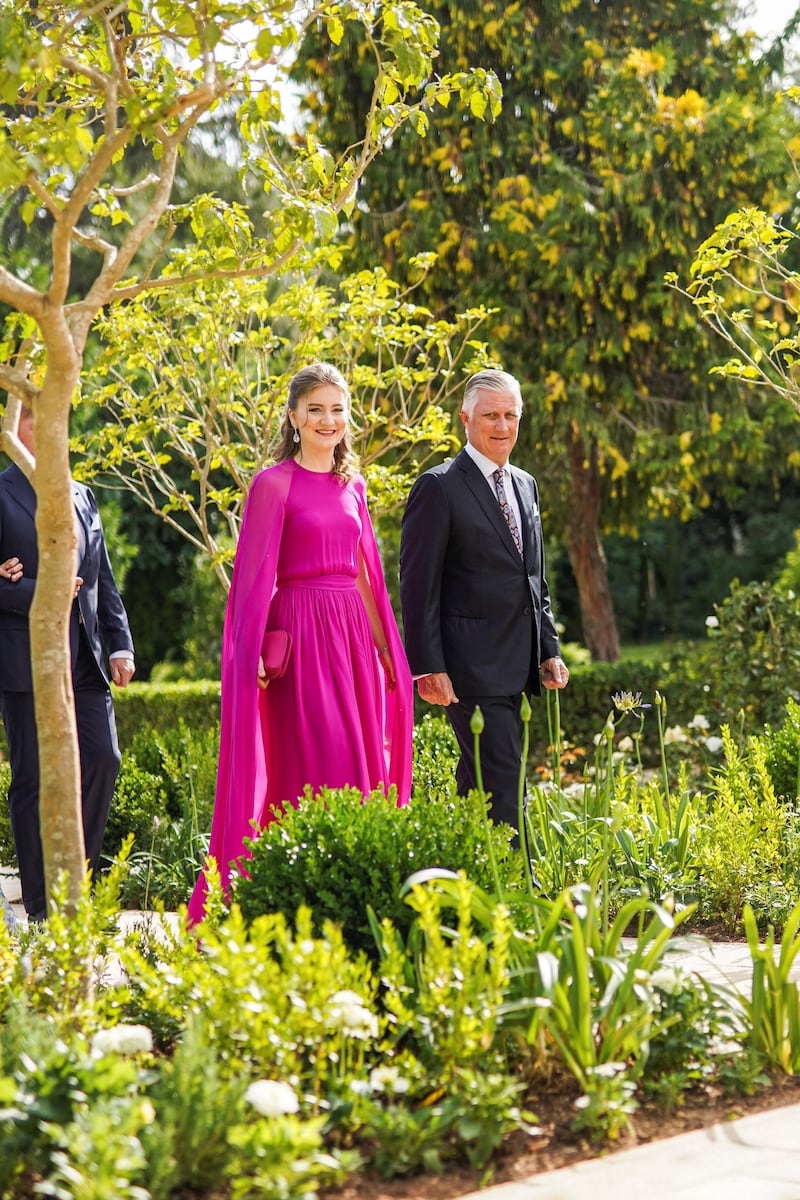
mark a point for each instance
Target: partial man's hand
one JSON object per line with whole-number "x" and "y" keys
{"x": 437, "y": 689}
{"x": 11, "y": 569}
{"x": 554, "y": 673}
{"x": 78, "y": 586}
{"x": 122, "y": 670}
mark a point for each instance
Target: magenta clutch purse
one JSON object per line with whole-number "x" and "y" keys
{"x": 275, "y": 651}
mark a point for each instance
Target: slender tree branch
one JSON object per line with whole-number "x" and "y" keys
{"x": 20, "y": 295}
{"x": 93, "y": 241}
{"x": 49, "y": 201}
{"x": 96, "y": 77}
{"x": 16, "y": 383}
{"x": 135, "y": 188}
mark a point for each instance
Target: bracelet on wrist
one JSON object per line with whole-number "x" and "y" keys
{"x": 383, "y": 649}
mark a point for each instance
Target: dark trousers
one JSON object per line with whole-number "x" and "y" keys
{"x": 99, "y": 760}
{"x": 500, "y": 748}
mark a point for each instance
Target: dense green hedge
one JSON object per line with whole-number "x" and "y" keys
{"x": 584, "y": 705}
{"x": 145, "y": 706}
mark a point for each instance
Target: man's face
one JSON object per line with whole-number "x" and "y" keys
{"x": 493, "y": 426}
{"x": 25, "y": 432}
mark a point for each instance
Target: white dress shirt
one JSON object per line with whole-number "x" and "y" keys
{"x": 487, "y": 469}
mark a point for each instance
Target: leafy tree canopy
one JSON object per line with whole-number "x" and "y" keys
{"x": 628, "y": 130}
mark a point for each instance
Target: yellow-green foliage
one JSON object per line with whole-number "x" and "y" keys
{"x": 460, "y": 981}
{"x": 744, "y": 822}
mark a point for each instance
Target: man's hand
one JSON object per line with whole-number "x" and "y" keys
{"x": 11, "y": 569}
{"x": 122, "y": 670}
{"x": 437, "y": 689}
{"x": 554, "y": 673}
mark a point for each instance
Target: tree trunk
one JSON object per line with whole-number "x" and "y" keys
{"x": 60, "y": 815}
{"x": 585, "y": 551}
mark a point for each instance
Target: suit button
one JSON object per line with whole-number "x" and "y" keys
{"x": 526, "y": 612}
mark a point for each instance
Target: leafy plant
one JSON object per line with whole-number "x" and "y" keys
{"x": 782, "y": 757}
{"x": 750, "y": 663}
{"x": 340, "y": 853}
{"x": 164, "y": 797}
{"x": 742, "y": 838}
{"x": 774, "y": 1009}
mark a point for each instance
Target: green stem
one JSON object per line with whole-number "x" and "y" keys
{"x": 476, "y": 725}
{"x": 522, "y": 821}
{"x": 661, "y": 708}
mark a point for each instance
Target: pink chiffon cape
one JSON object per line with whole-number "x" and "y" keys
{"x": 299, "y": 547}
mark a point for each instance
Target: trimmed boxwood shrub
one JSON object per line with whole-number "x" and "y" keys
{"x": 143, "y": 707}
{"x": 340, "y": 852}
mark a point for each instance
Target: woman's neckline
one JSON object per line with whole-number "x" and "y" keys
{"x": 311, "y": 470}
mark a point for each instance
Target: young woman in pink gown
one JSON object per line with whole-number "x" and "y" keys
{"x": 307, "y": 562}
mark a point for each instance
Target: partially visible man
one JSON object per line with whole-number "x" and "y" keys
{"x": 98, "y": 622}
{"x": 10, "y": 569}
{"x": 476, "y": 607}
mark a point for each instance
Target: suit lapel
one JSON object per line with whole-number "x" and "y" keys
{"x": 482, "y": 492}
{"x": 20, "y": 490}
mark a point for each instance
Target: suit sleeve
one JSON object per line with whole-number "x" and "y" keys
{"x": 423, "y": 549}
{"x": 15, "y": 597}
{"x": 549, "y": 646}
{"x": 112, "y": 619}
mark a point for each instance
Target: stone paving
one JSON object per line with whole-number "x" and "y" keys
{"x": 753, "y": 1158}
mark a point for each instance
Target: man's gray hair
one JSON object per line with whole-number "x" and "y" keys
{"x": 490, "y": 380}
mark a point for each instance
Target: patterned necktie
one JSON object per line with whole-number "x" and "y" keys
{"x": 506, "y": 508}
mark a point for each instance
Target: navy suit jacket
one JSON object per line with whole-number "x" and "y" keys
{"x": 98, "y": 605}
{"x": 471, "y": 605}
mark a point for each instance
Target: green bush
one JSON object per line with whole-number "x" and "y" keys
{"x": 140, "y": 802}
{"x": 750, "y": 663}
{"x": 435, "y": 756}
{"x": 142, "y": 707}
{"x": 783, "y": 753}
{"x": 340, "y": 853}
{"x": 165, "y": 798}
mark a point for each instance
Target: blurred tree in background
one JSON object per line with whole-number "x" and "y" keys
{"x": 628, "y": 130}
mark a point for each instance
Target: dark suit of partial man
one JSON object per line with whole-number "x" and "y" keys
{"x": 98, "y": 621}
{"x": 475, "y": 610}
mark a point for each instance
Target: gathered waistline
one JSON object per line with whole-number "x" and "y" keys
{"x": 336, "y": 583}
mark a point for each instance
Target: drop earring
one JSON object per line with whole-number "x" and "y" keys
{"x": 296, "y": 436}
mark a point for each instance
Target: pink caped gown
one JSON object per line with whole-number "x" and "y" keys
{"x": 329, "y": 721}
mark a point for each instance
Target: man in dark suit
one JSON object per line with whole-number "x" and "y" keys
{"x": 98, "y": 621}
{"x": 479, "y": 630}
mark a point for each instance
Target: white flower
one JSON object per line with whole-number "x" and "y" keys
{"x": 698, "y": 721}
{"x": 122, "y": 1039}
{"x": 626, "y": 745}
{"x": 348, "y": 1013}
{"x": 712, "y": 622}
{"x": 272, "y": 1098}
{"x": 674, "y": 736}
{"x": 669, "y": 979}
{"x": 714, "y": 744}
{"x": 345, "y": 997}
{"x": 388, "y": 1079}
